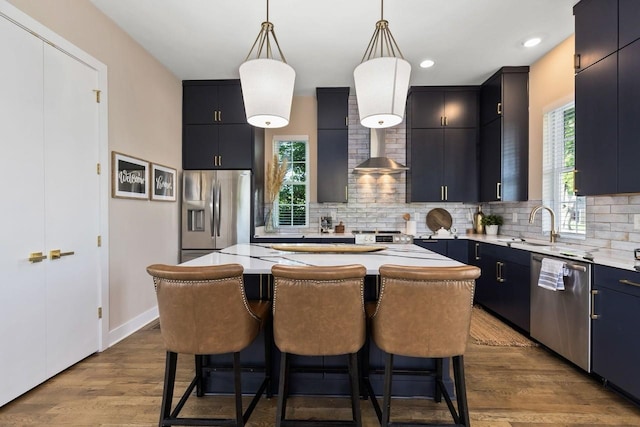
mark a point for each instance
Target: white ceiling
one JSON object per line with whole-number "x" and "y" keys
{"x": 324, "y": 40}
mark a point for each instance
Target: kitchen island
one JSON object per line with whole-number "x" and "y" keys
{"x": 323, "y": 375}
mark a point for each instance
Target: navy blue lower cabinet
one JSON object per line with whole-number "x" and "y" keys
{"x": 504, "y": 283}
{"x": 615, "y": 345}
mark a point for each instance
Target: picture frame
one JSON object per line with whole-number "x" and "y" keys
{"x": 129, "y": 177}
{"x": 163, "y": 183}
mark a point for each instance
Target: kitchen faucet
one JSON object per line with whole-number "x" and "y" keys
{"x": 553, "y": 234}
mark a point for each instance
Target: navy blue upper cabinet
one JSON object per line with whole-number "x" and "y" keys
{"x": 628, "y": 25}
{"x": 433, "y": 107}
{"x": 212, "y": 102}
{"x": 597, "y": 128}
{"x": 596, "y": 27}
{"x": 504, "y": 137}
{"x": 442, "y": 139}
{"x": 607, "y": 93}
{"x": 333, "y": 144}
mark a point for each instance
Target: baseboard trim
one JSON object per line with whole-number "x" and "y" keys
{"x": 121, "y": 332}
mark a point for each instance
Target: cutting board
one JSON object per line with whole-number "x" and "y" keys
{"x": 327, "y": 247}
{"x": 439, "y": 218}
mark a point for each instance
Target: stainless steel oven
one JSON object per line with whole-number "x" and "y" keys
{"x": 560, "y": 319}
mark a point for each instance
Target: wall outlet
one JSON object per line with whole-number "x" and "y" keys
{"x": 636, "y": 222}
{"x": 515, "y": 217}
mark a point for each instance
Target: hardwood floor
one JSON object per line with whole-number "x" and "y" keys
{"x": 507, "y": 387}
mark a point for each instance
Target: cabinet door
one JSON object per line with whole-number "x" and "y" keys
{"x": 515, "y": 294}
{"x": 235, "y": 145}
{"x": 333, "y": 108}
{"x": 458, "y": 249}
{"x": 231, "y": 104}
{"x": 596, "y": 128}
{"x": 199, "y": 146}
{"x": 437, "y": 246}
{"x": 333, "y": 154}
{"x": 628, "y": 114}
{"x": 427, "y": 109}
{"x": 490, "y": 161}
{"x": 629, "y": 16}
{"x": 461, "y": 109}
{"x": 491, "y": 99}
{"x": 460, "y": 165}
{"x": 596, "y": 29}
{"x": 199, "y": 104}
{"x": 427, "y": 162}
{"x": 616, "y": 339}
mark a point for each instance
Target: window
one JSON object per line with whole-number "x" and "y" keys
{"x": 293, "y": 200}
{"x": 558, "y": 173}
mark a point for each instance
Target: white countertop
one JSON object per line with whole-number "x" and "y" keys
{"x": 258, "y": 258}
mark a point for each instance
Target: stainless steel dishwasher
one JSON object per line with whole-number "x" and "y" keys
{"x": 561, "y": 320}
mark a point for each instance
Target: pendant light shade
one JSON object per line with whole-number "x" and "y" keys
{"x": 267, "y": 83}
{"x": 381, "y": 91}
{"x": 382, "y": 79}
{"x": 267, "y": 89}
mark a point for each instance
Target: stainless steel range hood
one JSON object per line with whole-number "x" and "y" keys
{"x": 377, "y": 161}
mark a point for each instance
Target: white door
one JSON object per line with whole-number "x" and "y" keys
{"x": 22, "y": 284}
{"x": 72, "y": 209}
{"x": 50, "y": 200}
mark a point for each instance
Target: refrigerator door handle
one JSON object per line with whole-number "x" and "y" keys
{"x": 217, "y": 207}
{"x": 211, "y": 207}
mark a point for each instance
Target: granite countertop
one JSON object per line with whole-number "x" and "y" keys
{"x": 258, "y": 258}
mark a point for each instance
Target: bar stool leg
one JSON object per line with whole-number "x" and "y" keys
{"x": 461, "y": 391}
{"x": 386, "y": 404}
{"x": 169, "y": 382}
{"x": 238, "y": 388}
{"x": 268, "y": 348}
{"x": 199, "y": 390}
{"x": 282, "y": 389}
{"x": 354, "y": 379}
{"x": 437, "y": 396}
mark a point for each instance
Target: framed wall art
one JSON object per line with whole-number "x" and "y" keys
{"x": 163, "y": 183}
{"x": 129, "y": 177}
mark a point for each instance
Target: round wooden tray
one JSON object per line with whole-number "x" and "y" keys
{"x": 327, "y": 247}
{"x": 439, "y": 218}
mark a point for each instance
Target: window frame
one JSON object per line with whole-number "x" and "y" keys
{"x": 276, "y": 141}
{"x": 554, "y": 168}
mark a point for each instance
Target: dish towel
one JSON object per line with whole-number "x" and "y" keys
{"x": 551, "y": 274}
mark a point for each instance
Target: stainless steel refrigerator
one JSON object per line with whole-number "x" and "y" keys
{"x": 216, "y": 210}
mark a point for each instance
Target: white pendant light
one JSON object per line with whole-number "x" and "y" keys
{"x": 382, "y": 80}
{"x": 267, "y": 83}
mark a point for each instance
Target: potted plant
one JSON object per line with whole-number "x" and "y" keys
{"x": 492, "y": 223}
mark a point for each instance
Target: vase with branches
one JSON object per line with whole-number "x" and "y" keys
{"x": 276, "y": 172}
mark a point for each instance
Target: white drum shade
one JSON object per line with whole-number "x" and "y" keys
{"x": 381, "y": 91}
{"x": 267, "y": 89}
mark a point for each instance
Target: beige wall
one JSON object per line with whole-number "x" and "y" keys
{"x": 145, "y": 102}
{"x": 551, "y": 84}
{"x": 303, "y": 121}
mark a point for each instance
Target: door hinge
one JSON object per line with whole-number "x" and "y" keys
{"x": 99, "y": 312}
{"x": 99, "y": 241}
{"x": 97, "y": 92}
{"x": 98, "y": 169}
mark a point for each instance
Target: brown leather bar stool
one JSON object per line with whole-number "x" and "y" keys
{"x": 204, "y": 310}
{"x": 424, "y": 312}
{"x": 318, "y": 311}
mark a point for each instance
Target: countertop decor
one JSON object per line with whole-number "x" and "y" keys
{"x": 275, "y": 177}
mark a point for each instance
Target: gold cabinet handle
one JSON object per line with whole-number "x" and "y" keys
{"x": 498, "y": 188}
{"x": 442, "y": 192}
{"x": 57, "y": 254}
{"x": 594, "y": 316}
{"x": 499, "y": 108}
{"x": 629, "y": 282}
{"x": 575, "y": 176}
{"x": 346, "y": 192}
{"x": 476, "y": 251}
{"x": 446, "y": 192}
{"x": 219, "y": 160}
{"x": 576, "y": 61}
{"x": 346, "y": 121}
{"x": 446, "y": 121}
{"x": 36, "y": 257}
{"x": 441, "y": 121}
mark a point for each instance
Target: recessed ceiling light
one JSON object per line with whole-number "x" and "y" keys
{"x": 532, "y": 42}
{"x": 427, "y": 63}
